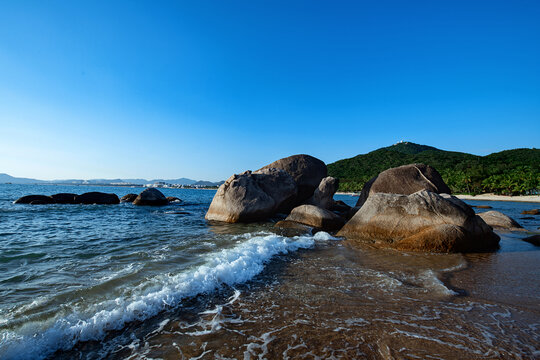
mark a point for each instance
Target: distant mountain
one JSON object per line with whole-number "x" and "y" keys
{"x": 511, "y": 171}
{"x": 5, "y": 178}
{"x": 207, "y": 183}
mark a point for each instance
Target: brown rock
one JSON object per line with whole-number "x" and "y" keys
{"x": 306, "y": 171}
{"x": 406, "y": 180}
{"x": 323, "y": 196}
{"x": 150, "y": 197}
{"x": 531, "y": 212}
{"x": 316, "y": 217}
{"x": 423, "y": 221}
{"x": 252, "y": 196}
{"x": 481, "y": 206}
{"x": 173, "y": 199}
{"x": 43, "y": 199}
{"x": 499, "y": 220}
{"x": 129, "y": 198}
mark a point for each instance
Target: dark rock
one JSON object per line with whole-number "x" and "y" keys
{"x": 129, "y": 198}
{"x": 481, "y": 206}
{"x": 95, "y": 197}
{"x": 531, "y": 212}
{"x": 423, "y": 221}
{"x": 306, "y": 171}
{"x": 535, "y": 240}
{"x": 252, "y": 196}
{"x": 316, "y": 217}
{"x": 527, "y": 218}
{"x": 64, "y": 198}
{"x": 499, "y": 220}
{"x": 151, "y": 197}
{"x": 44, "y": 199}
{"x": 39, "y": 202}
{"x": 406, "y": 180}
{"x": 173, "y": 199}
{"x": 293, "y": 228}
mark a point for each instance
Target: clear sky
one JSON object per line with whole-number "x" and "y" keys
{"x": 203, "y": 89}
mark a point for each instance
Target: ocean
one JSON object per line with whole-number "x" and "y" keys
{"x": 128, "y": 282}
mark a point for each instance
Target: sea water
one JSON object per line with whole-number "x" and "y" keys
{"x": 121, "y": 281}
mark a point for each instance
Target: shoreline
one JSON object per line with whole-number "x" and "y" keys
{"x": 493, "y": 197}
{"x": 481, "y": 197}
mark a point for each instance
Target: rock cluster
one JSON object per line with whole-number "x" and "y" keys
{"x": 406, "y": 208}
{"x": 149, "y": 196}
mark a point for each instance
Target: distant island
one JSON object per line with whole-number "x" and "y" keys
{"x": 509, "y": 172}
{"x": 173, "y": 183}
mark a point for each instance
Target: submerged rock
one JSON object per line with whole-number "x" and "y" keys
{"x": 481, "y": 206}
{"x": 252, "y": 196}
{"x": 129, "y": 198}
{"x": 531, "y": 212}
{"x": 406, "y": 180}
{"x": 40, "y": 199}
{"x": 96, "y": 197}
{"x": 316, "y": 217}
{"x": 307, "y": 171}
{"x": 499, "y": 220}
{"x": 173, "y": 199}
{"x": 293, "y": 228}
{"x": 151, "y": 197}
{"x": 535, "y": 240}
{"x": 64, "y": 198}
{"x": 422, "y": 221}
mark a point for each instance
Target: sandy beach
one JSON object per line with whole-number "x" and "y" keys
{"x": 493, "y": 197}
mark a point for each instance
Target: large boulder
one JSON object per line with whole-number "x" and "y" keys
{"x": 96, "y": 197}
{"x": 306, "y": 171}
{"x": 422, "y": 221}
{"x": 151, "y": 197}
{"x": 316, "y": 217}
{"x": 252, "y": 196}
{"x": 534, "y": 239}
{"x": 499, "y": 220}
{"x": 406, "y": 180}
{"x": 128, "y": 198}
{"x": 38, "y": 199}
{"x": 64, "y": 198}
{"x": 323, "y": 196}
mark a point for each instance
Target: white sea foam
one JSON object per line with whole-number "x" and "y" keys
{"x": 324, "y": 236}
{"x": 431, "y": 281}
{"x": 231, "y": 266}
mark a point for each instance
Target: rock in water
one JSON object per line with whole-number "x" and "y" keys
{"x": 129, "y": 198}
{"x": 406, "y": 180}
{"x": 531, "y": 212}
{"x": 40, "y": 199}
{"x": 64, "y": 198}
{"x": 535, "y": 240}
{"x": 173, "y": 199}
{"x": 306, "y": 171}
{"x": 316, "y": 217}
{"x": 151, "y": 197}
{"x": 499, "y": 220}
{"x": 323, "y": 196}
{"x": 252, "y": 196}
{"x": 423, "y": 221}
{"x": 95, "y": 197}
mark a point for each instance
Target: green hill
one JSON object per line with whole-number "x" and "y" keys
{"x": 508, "y": 172}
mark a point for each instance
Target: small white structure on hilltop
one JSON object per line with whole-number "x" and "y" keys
{"x": 401, "y": 142}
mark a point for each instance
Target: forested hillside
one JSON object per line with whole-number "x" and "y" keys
{"x": 509, "y": 172}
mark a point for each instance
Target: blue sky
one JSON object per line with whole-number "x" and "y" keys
{"x": 203, "y": 89}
